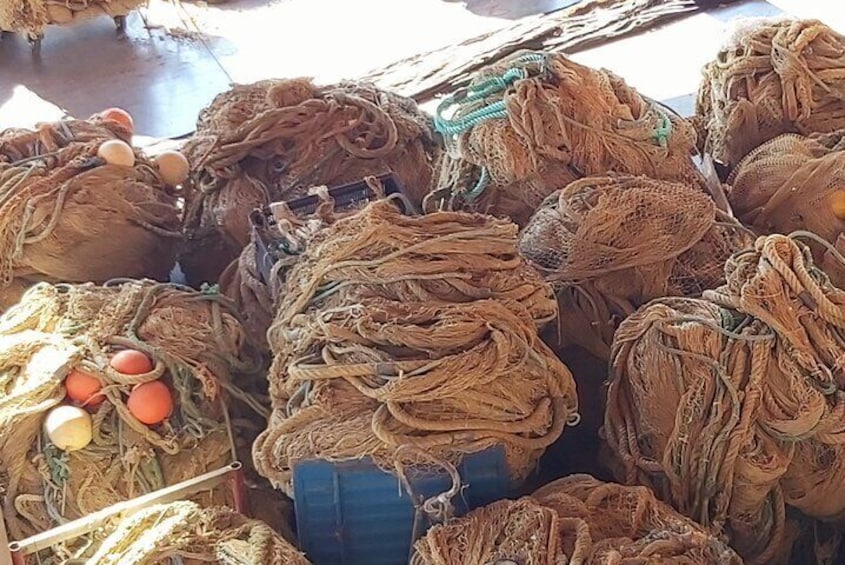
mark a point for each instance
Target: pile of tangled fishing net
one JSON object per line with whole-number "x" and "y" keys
{"x": 573, "y": 520}
{"x": 33, "y": 16}
{"x": 795, "y": 183}
{"x": 771, "y": 78}
{"x": 273, "y": 140}
{"x": 69, "y": 216}
{"x": 534, "y": 122}
{"x": 186, "y": 532}
{"x": 731, "y": 407}
{"x": 611, "y": 244}
{"x": 413, "y": 331}
{"x": 196, "y": 347}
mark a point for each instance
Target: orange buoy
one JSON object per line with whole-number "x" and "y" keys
{"x": 84, "y": 388}
{"x": 150, "y": 402}
{"x": 131, "y": 362}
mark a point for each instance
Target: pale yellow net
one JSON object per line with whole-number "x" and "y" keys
{"x": 572, "y": 521}
{"x": 186, "y": 532}
{"x": 611, "y": 244}
{"x": 731, "y": 407}
{"x": 33, "y": 16}
{"x": 200, "y": 353}
{"x": 771, "y": 77}
{"x": 413, "y": 331}
{"x": 66, "y": 216}
{"x": 534, "y": 122}
{"x": 273, "y": 140}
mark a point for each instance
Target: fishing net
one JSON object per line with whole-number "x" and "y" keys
{"x": 611, "y": 244}
{"x": 199, "y": 351}
{"x": 534, "y": 122}
{"x": 69, "y": 217}
{"x": 185, "y": 532}
{"x": 731, "y": 407}
{"x": 33, "y": 16}
{"x": 273, "y": 140}
{"x": 577, "y": 519}
{"x": 412, "y": 331}
{"x": 771, "y": 78}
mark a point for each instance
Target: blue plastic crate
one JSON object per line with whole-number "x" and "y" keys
{"x": 353, "y": 513}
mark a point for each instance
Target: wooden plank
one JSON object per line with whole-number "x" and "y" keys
{"x": 583, "y": 25}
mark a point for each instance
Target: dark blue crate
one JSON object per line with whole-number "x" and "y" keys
{"x": 353, "y": 513}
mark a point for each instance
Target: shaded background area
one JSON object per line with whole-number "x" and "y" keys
{"x": 175, "y": 58}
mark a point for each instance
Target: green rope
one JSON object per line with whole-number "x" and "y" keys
{"x": 664, "y": 130}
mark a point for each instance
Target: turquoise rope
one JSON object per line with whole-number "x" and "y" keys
{"x": 663, "y": 131}
{"x": 479, "y": 187}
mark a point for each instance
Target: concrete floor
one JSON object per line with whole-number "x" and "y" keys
{"x": 164, "y": 71}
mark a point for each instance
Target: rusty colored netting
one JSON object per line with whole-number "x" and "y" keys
{"x": 795, "y": 183}
{"x": 186, "y": 532}
{"x": 273, "y": 140}
{"x": 573, "y": 520}
{"x": 33, "y": 16}
{"x": 771, "y": 78}
{"x": 68, "y": 217}
{"x": 199, "y": 348}
{"x": 731, "y": 407}
{"x": 611, "y": 244}
{"x": 535, "y": 122}
{"x": 413, "y": 331}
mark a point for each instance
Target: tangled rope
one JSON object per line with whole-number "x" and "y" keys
{"x": 611, "y": 244}
{"x": 273, "y": 140}
{"x": 534, "y": 122}
{"x": 198, "y": 348}
{"x": 397, "y": 330}
{"x": 185, "y": 531}
{"x": 731, "y": 407}
{"x": 771, "y": 78}
{"x": 574, "y": 520}
{"x": 69, "y": 217}
{"x": 33, "y": 16}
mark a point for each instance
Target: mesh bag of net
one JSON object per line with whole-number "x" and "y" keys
{"x": 396, "y": 331}
{"x": 534, "y": 122}
{"x": 731, "y": 408}
{"x": 70, "y": 216}
{"x": 771, "y": 77}
{"x": 610, "y": 244}
{"x": 273, "y": 140}
{"x": 187, "y": 532}
{"x": 577, "y": 519}
{"x": 795, "y": 183}
{"x": 112, "y": 392}
{"x": 33, "y": 16}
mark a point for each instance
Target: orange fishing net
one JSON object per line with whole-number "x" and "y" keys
{"x": 534, "y": 122}
{"x": 772, "y": 77}
{"x": 273, "y": 140}
{"x": 577, "y": 519}
{"x": 731, "y": 407}
{"x": 611, "y": 244}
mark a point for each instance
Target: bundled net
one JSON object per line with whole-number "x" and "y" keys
{"x": 731, "y": 407}
{"x": 198, "y": 348}
{"x": 771, "y": 78}
{"x": 185, "y": 532}
{"x": 69, "y": 217}
{"x": 401, "y": 331}
{"x": 611, "y": 244}
{"x": 534, "y": 122}
{"x": 273, "y": 140}
{"x": 33, "y": 16}
{"x": 795, "y": 183}
{"x": 577, "y": 519}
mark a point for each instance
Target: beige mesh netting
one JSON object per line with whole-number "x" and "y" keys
{"x": 731, "y": 407}
{"x": 68, "y": 217}
{"x": 273, "y": 140}
{"x": 413, "y": 331}
{"x": 534, "y": 122}
{"x": 771, "y": 78}
{"x": 198, "y": 348}
{"x": 33, "y": 16}
{"x": 611, "y": 244}
{"x": 574, "y": 520}
{"x": 186, "y": 532}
